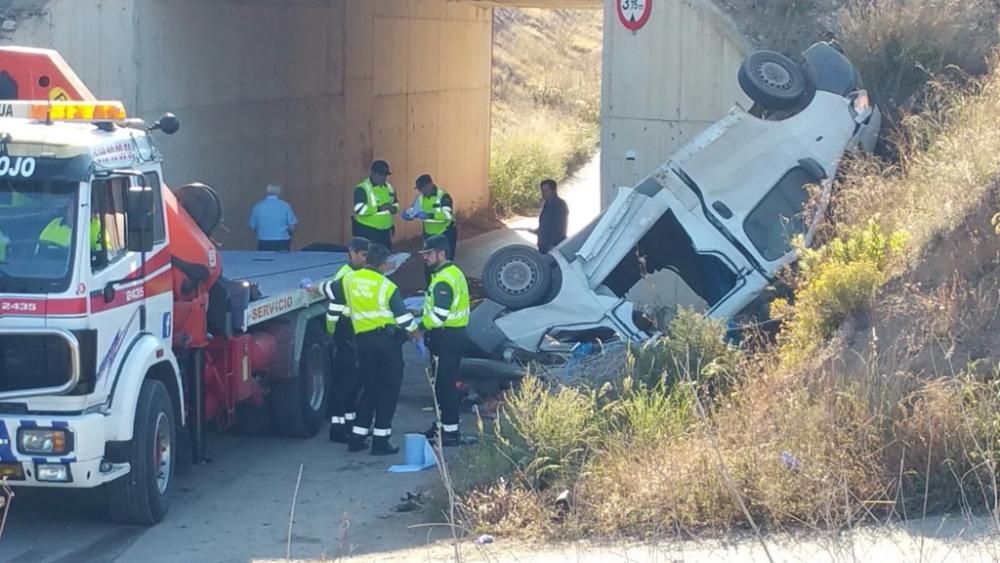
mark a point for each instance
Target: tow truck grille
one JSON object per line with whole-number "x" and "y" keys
{"x": 34, "y": 361}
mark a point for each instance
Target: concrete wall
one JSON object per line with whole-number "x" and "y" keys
{"x": 663, "y": 84}
{"x": 303, "y": 93}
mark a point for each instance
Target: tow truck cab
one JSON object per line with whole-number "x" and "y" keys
{"x": 85, "y": 290}
{"x": 120, "y": 338}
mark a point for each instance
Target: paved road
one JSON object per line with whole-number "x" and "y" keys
{"x": 236, "y": 509}
{"x": 582, "y": 193}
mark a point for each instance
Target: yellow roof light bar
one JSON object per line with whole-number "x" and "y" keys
{"x": 80, "y": 111}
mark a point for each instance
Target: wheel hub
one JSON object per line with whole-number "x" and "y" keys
{"x": 516, "y": 276}
{"x": 774, "y": 75}
{"x": 315, "y": 377}
{"x": 162, "y": 449}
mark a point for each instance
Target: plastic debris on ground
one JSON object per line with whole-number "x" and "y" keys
{"x": 484, "y": 539}
{"x": 419, "y": 455}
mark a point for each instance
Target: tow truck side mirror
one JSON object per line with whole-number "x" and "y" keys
{"x": 139, "y": 218}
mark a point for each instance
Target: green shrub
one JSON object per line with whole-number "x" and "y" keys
{"x": 531, "y": 150}
{"x": 693, "y": 349}
{"x": 647, "y": 416}
{"x": 556, "y": 426}
{"x": 517, "y": 164}
{"x": 837, "y": 280}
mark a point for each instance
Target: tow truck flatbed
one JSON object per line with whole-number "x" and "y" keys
{"x": 279, "y": 276}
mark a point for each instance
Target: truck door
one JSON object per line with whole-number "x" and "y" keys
{"x": 121, "y": 289}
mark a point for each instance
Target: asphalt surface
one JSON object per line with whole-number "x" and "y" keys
{"x": 236, "y": 508}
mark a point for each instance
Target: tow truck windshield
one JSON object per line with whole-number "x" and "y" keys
{"x": 37, "y": 234}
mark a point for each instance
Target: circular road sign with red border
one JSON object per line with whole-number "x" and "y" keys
{"x": 634, "y": 13}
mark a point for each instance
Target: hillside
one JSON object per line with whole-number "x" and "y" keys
{"x": 880, "y": 400}
{"x": 546, "y": 99}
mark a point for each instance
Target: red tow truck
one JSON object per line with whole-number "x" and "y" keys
{"x": 124, "y": 330}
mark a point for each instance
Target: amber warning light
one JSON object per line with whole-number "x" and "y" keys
{"x": 66, "y": 111}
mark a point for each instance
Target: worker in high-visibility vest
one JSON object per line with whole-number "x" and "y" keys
{"x": 435, "y": 208}
{"x": 381, "y": 323}
{"x": 375, "y": 206}
{"x": 445, "y": 316}
{"x": 346, "y": 383}
{"x": 59, "y": 232}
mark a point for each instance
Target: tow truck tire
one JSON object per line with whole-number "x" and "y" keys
{"x": 143, "y": 496}
{"x": 772, "y": 80}
{"x": 299, "y": 403}
{"x": 517, "y": 276}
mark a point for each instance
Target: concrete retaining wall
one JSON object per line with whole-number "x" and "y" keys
{"x": 303, "y": 93}
{"x": 663, "y": 84}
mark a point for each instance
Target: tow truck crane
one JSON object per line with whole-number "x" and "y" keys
{"x": 124, "y": 330}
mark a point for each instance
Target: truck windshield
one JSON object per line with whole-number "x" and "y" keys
{"x": 37, "y": 234}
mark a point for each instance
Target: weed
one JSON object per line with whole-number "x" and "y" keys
{"x": 546, "y": 91}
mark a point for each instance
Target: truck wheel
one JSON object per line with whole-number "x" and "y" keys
{"x": 143, "y": 496}
{"x": 517, "y": 277}
{"x": 772, "y": 80}
{"x": 299, "y": 403}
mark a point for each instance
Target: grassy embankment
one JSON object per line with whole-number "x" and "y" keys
{"x": 546, "y": 100}
{"x": 880, "y": 399}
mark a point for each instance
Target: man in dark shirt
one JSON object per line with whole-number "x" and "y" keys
{"x": 552, "y": 221}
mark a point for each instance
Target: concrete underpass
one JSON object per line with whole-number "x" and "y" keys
{"x": 307, "y": 92}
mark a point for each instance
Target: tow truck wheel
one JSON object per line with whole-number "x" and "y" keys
{"x": 299, "y": 403}
{"x": 143, "y": 496}
{"x": 772, "y": 80}
{"x": 517, "y": 276}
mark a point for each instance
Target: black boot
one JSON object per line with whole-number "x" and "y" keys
{"x": 356, "y": 443}
{"x": 431, "y": 434}
{"x": 381, "y": 446}
{"x": 338, "y": 433}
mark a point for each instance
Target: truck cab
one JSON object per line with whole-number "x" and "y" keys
{"x": 121, "y": 337}
{"x": 85, "y": 297}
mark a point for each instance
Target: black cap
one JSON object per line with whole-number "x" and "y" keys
{"x": 381, "y": 167}
{"x": 423, "y": 180}
{"x": 436, "y": 242}
{"x": 377, "y": 255}
{"x": 359, "y": 244}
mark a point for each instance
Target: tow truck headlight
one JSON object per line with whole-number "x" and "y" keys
{"x": 56, "y": 472}
{"x": 44, "y": 441}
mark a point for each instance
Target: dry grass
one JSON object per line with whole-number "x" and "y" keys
{"x": 896, "y": 44}
{"x": 893, "y": 412}
{"x": 546, "y": 100}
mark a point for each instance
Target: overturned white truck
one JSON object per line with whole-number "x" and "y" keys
{"x": 709, "y": 228}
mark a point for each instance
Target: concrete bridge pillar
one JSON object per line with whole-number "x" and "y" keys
{"x": 301, "y": 93}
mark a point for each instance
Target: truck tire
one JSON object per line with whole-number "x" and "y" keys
{"x": 143, "y": 496}
{"x": 772, "y": 80}
{"x": 517, "y": 276}
{"x": 299, "y": 403}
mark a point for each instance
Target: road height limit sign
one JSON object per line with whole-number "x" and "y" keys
{"x": 634, "y": 13}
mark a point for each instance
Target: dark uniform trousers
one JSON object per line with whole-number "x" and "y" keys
{"x": 374, "y": 235}
{"x": 447, "y": 345}
{"x": 346, "y": 380}
{"x": 380, "y": 356}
